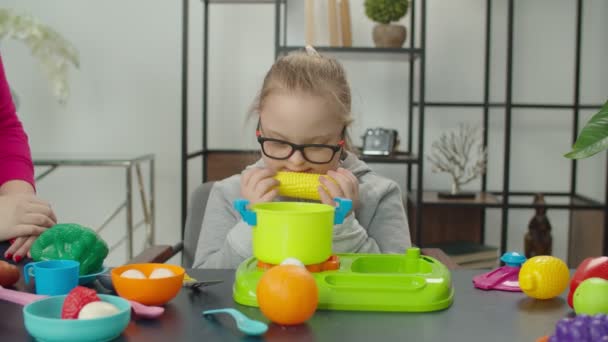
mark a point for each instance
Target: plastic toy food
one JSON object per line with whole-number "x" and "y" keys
{"x": 9, "y": 274}
{"x": 581, "y": 328}
{"x": 83, "y": 303}
{"x": 591, "y": 297}
{"x": 76, "y": 300}
{"x": 72, "y": 242}
{"x": 589, "y": 268}
{"x": 292, "y": 261}
{"x": 161, "y": 273}
{"x": 299, "y": 184}
{"x": 543, "y": 277}
{"x": 156, "y": 273}
{"x": 287, "y": 294}
{"x": 97, "y": 309}
{"x": 134, "y": 274}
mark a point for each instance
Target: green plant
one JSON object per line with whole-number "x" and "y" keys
{"x": 386, "y": 11}
{"x": 594, "y": 136}
{"x": 52, "y": 51}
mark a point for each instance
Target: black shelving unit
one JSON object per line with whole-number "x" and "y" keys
{"x": 503, "y": 199}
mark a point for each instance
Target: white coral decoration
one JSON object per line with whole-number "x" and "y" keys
{"x": 52, "y": 51}
{"x": 461, "y": 154}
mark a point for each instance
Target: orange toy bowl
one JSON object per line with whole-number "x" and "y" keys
{"x": 147, "y": 291}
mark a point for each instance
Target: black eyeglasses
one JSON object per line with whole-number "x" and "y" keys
{"x": 313, "y": 153}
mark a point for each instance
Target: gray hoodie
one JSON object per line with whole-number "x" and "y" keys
{"x": 379, "y": 225}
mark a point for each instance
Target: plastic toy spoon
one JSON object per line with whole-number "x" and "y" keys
{"x": 24, "y": 298}
{"x": 245, "y": 324}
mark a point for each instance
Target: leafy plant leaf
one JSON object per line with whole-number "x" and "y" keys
{"x": 593, "y": 138}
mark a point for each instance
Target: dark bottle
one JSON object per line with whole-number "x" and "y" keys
{"x": 538, "y": 240}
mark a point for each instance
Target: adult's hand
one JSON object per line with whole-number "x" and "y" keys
{"x": 23, "y": 217}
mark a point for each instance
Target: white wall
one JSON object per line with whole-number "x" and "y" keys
{"x": 128, "y": 90}
{"x": 125, "y": 100}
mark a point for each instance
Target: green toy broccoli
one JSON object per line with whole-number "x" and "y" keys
{"x": 71, "y": 241}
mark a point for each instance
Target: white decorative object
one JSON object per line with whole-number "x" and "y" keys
{"x": 461, "y": 154}
{"x": 54, "y": 53}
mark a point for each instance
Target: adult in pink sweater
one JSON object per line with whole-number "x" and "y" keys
{"x": 23, "y": 216}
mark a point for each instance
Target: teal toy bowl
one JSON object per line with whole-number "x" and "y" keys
{"x": 43, "y": 321}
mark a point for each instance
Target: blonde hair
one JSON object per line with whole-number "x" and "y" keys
{"x": 310, "y": 72}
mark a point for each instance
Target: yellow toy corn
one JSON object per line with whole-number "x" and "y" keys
{"x": 299, "y": 184}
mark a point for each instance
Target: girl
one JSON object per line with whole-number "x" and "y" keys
{"x": 304, "y": 110}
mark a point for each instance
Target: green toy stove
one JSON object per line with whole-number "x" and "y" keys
{"x": 410, "y": 282}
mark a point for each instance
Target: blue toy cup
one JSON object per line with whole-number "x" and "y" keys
{"x": 53, "y": 277}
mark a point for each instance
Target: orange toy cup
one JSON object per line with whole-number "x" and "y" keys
{"x": 156, "y": 291}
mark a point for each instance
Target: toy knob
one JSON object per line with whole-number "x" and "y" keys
{"x": 513, "y": 259}
{"x": 412, "y": 258}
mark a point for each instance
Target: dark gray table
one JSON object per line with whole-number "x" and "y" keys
{"x": 475, "y": 316}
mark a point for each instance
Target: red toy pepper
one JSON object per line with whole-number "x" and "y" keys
{"x": 589, "y": 268}
{"x": 76, "y": 300}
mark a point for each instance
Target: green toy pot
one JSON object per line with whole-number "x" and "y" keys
{"x": 298, "y": 230}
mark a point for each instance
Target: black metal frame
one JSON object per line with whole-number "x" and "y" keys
{"x": 418, "y": 54}
{"x": 184, "y": 110}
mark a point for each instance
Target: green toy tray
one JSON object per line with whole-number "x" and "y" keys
{"x": 368, "y": 282}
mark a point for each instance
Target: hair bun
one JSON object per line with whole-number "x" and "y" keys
{"x": 310, "y": 51}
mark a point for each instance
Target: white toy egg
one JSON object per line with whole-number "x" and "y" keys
{"x": 161, "y": 273}
{"x": 292, "y": 261}
{"x": 135, "y": 274}
{"x": 97, "y": 309}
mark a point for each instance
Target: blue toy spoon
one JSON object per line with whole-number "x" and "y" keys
{"x": 245, "y": 324}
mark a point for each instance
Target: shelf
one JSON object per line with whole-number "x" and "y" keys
{"x": 404, "y": 53}
{"x": 431, "y": 198}
{"x": 243, "y": 2}
{"x": 513, "y": 105}
{"x": 220, "y": 151}
{"x": 517, "y": 200}
{"x": 523, "y": 200}
{"x": 395, "y": 158}
{"x": 399, "y": 157}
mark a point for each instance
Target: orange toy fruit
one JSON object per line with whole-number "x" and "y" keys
{"x": 544, "y": 277}
{"x": 287, "y": 294}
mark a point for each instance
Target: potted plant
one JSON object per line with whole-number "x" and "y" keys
{"x": 54, "y": 53}
{"x": 594, "y": 136}
{"x": 384, "y": 12}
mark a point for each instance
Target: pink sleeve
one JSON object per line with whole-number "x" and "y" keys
{"x": 15, "y": 157}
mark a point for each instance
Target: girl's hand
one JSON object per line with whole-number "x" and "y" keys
{"x": 258, "y": 185}
{"x": 347, "y": 187}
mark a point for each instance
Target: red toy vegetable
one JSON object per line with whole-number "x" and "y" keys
{"x": 9, "y": 274}
{"x": 589, "y": 268}
{"x": 75, "y": 300}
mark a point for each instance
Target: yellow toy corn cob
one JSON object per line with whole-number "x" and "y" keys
{"x": 299, "y": 184}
